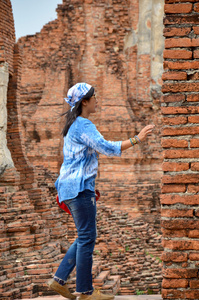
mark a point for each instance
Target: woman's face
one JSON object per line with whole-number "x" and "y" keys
{"x": 92, "y": 104}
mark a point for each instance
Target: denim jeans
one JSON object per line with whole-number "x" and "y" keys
{"x": 80, "y": 253}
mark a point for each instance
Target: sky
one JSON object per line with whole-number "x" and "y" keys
{"x": 31, "y": 15}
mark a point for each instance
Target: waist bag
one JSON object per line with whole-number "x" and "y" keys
{"x": 65, "y": 207}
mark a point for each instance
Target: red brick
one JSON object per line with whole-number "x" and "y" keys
{"x": 172, "y": 294}
{"x": 194, "y": 256}
{"x": 181, "y": 224}
{"x": 191, "y": 294}
{"x": 174, "y": 143}
{"x": 178, "y": 8}
{"x": 174, "y": 233}
{"x": 177, "y": 54}
{"x": 180, "y": 87}
{"x": 193, "y": 233}
{"x": 174, "y": 256}
{"x": 180, "y": 131}
{"x": 183, "y": 65}
{"x": 185, "y": 178}
{"x": 180, "y": 110}
{"x": 196, "y": 7}
{"x": 175, "y": 31}
{"x": 174, "y": 98}
{"x": 195, "y": 42}
{"x": 195, "y": 166}
{"x": 193, "y": 188}
{"x": 197, "y": 212}
{"x": 185, "y": 20}
{"x": 174, "y": 75}
{"x": 180, "y": 245}
{"x": 181, "y": 43}
{"x": 193, "y": 119}
{"x": 193, "y": 76}
{"x": 174, "y": 167}
{"x": 175, "y": 283}
{"x": 196, "y": 54}
{"x": 181, "y": 153}
{"x": 176, "y": 213}
{"x": 178, "y": 42}
{"x": 180, "y": 273}
{"x": 194, "y": 143}
{"x": 173, "y": 188}
{"x": 184, "y": 199}
{"x": 174, "y": 120}
{"x": 196, "y": 29}
{"x": 193, "y": 98}
{"x": 194, "y": 284}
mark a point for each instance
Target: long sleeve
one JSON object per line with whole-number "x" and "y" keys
{"x": 91, "y": 137}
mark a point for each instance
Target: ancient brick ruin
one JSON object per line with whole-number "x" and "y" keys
{"x": 106, "y": 44}
{"x": 180, "y": 142}
{"x": 117, "y": 46}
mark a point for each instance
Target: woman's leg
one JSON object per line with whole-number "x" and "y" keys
{"x": 83, "y": 210}
{"x": 67, "y": 265}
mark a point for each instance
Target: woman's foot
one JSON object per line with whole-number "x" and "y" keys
{"x": 61, "y": 289}
{"x": 96, "y": 295}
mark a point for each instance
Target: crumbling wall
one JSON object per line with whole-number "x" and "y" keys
{"x": 180, "y": 142}
{"x": 26, "y": 208}
{"x": 117, "y": 47}
{"x": 33, "y": 85}
{"x": 7, "y": 40}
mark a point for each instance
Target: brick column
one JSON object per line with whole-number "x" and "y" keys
{"x": 180, "y": 142}
{"x": 5, "y": 156}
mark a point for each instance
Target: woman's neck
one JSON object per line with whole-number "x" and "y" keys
{"x": 84, "y": 115}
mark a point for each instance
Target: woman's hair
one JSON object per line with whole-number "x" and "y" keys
{"x": 76, "y": 111}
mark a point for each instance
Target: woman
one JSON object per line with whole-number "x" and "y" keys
{"x": 76, "y": 187}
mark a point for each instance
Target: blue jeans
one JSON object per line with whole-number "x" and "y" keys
{"x": 80, "y": 253}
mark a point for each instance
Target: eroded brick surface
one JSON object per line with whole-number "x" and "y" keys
{"x": 180, "y": 146}
{"x": 111, "y": 45}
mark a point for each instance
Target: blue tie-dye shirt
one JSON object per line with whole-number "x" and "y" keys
{"x": 79, "y": 168}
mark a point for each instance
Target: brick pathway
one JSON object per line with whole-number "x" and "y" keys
{"x": 133, "y": 297}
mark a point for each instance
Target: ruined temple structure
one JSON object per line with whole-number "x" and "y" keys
{"x": 180, "y": 199}
{"x": 117, "y": 46}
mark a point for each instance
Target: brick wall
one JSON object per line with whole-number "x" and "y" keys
{"x": 180, "y": 144}
{"x": 7, "y": 37}
{"x": 7, "y": 40}
{"x": 118, "y": 48}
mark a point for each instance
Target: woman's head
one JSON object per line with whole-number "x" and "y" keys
{"x": 77, "y": 97}
{"x": 78, "y": 92}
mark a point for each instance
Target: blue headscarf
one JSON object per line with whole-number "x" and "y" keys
{"x": 76, "y": 93}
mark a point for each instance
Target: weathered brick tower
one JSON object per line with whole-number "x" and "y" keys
{"x": 180, "y": 199}
{"x": 117, "y": 47}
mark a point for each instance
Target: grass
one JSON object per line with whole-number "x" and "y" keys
{"x": 138, "y": 292}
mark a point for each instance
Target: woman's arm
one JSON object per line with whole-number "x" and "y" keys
{"x": 141, "y": 137}
{"x": 89, "y": 135}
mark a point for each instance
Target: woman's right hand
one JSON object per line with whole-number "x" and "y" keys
{"x": 145, "y": 131}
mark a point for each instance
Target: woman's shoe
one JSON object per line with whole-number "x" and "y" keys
{"x": 96, "y": 295}
{"x": 61, "y": 289}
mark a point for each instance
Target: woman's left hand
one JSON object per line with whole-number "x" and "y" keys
{"x": 145, "y": 131}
